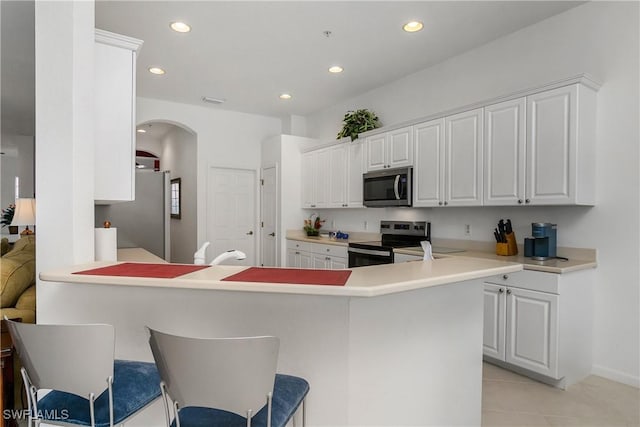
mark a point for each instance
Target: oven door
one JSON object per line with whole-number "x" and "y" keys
{"x": 361, "y": 257}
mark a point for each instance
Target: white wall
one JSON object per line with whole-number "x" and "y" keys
{"x": 178, "y": 156}
{"x": 600, "y": 38}
{"x": 17, "y": 161}
{"x": 224, "y": 139}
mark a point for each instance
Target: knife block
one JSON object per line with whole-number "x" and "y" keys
{"x": 508, "y": 249}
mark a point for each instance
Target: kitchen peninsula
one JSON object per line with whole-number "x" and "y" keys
{"x": 398, "y": 344}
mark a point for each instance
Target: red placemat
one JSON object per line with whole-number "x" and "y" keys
{"x": 297, "y": 276}
{"x": 134, "y": 269}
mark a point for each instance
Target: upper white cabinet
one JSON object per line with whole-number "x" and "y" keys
{"x": 540, "y": 149}
{"x": 561, "y": 146}
{"x": 428, "y": 173}
{"x": 114, "y": 119}
{"x": 463, "y": 159}
{"x": 448, "y": 167}
{"x": 391, "y": 149}
{"x": 504, "y": 153}
{"x": 332, "y": 176}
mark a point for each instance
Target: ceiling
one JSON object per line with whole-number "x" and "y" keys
{"x": 250, "y": 52}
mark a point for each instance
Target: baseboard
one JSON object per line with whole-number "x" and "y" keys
{"x": 614, "y": 375}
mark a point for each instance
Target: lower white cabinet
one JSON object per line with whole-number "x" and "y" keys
{"x": 316, "y": 255}
{"x": 540, "y": 322}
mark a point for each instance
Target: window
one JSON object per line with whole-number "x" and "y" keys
{"x": 176, "y": 200}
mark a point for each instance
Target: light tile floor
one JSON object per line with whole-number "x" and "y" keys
{"x": 509, "y": 399}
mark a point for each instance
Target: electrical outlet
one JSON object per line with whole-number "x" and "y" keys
{"x": 333, "y": 224}
{"x": 365, "y": 225}
{"x": 467, "y": 229}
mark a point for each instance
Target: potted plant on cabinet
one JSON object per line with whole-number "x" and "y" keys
{"x": 312, "y": 225}
{"x": 358, "y": 121}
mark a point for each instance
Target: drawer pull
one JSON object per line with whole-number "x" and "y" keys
{"x": 505, "y": 277}
{"x": 508, "y": 291}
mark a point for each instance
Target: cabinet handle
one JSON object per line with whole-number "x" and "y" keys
{"x": 508, "y": 291}
{"x": 446, "y": 203}
{"x": 328, "y": 258}
{"x": 313, "y": 206}
{"x": 501, "y": 290}
{"x": 505, "y": 277}
{"x": 527, "y": 201}
{"x": 272, "y": 234}
{"x": 439, "y": 203}
{"x": 519, "y": 201}
{"x": 297, "y": 253}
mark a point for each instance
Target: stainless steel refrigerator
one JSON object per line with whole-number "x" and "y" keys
{"x": 144, "y": 222}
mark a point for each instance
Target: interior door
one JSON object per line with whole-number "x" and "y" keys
{"x": 269, "y": 213}
{"x": 231, "y": 213}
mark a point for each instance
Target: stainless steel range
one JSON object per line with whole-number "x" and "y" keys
{"x": 395, "y": 234}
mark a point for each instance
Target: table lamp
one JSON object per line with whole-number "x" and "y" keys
{"x": 25, "y": 214}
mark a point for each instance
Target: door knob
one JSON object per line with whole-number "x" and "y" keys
{"x": 250, "y": 233}
{"x": 272, "y": 234}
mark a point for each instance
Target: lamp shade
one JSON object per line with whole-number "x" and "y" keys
{"x": 25, "y": 213}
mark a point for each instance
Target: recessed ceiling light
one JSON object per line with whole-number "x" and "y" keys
{"x": 156, "y": 70}
{"x": 142, "y": 131}
{"x": 412, "y": 26}
{"x": 336, "y": 69}
{"x": 285, "y": 96}
{"x": 180, "y": 27}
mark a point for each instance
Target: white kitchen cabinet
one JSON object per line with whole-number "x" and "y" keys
{"x": 561, "y": 146}
{"x": 315, "y": 178}
{"x": 316, "y": 255}
{"x": 428, "y": 173}
{"x": 540, "y": 322}
{"x": 504, "y": 153}
{"x": 298, "y": 254}
{"x": 391, "y": 149}
{"x": 114, "y": 118}
{"x": 332, "y": 176}
{"x": 448, "y": 163}
{"x": 355, "y": 169}
{"x": 463, "y": 158}
{"x": 539, "y": 149}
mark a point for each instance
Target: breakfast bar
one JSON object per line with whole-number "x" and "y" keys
{"x": 396, "y": 344}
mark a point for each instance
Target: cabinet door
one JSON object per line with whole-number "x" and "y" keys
{"x": 504, "y": 153}
{"x": 532, "y": 331}
{"x": 337, "y": 179}
{"x": 305, "y": 259}
{"x": 494, "y": 321}
{"x": 428, "y": 182}
{"x": 463, "y": 157}
{"x": 321, "y": 181}
{"x": 114, "y": 123}
{"x": 308, "y": 175}
{"x": 338, "y": 263}
{"x": 355, "y": 169}
{"x": 376, "y": 152}
{"x": 293, "y": 258}
{"x": 321, "y": 261}
{"x": 551, "y": 146}
{"x": 400, "y": 148}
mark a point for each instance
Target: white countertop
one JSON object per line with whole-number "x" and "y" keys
{"x": 579, "y": 259}
{"x": 364, "y": 281}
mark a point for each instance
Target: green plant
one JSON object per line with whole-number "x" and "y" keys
{"x": 7, "y": 215}
{"x": 313, "y": 224}
{"x": 358, "y": 121}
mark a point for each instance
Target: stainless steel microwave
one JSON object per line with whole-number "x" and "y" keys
{"x": 388, "y": 187}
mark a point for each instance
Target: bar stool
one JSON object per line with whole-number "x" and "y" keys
{"x": 225, "y": 381}
{"x": 88, "y": 386}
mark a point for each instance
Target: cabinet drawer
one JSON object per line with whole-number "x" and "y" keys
{"x": 331, "y": 250}
{"x": 299, "y": 245}
{"x": 526, "y": 279}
